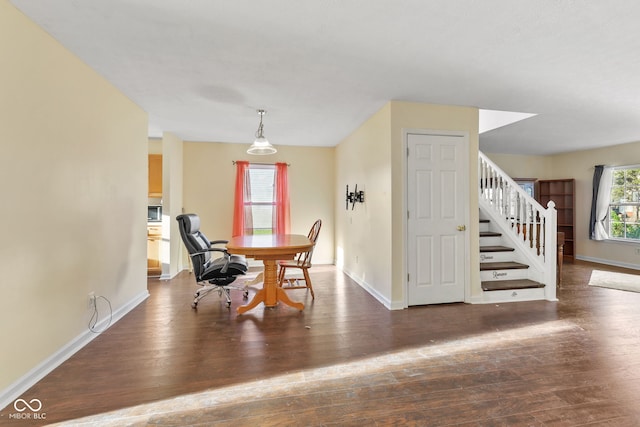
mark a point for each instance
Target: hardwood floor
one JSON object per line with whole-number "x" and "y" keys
{"x": 347, "y": 360}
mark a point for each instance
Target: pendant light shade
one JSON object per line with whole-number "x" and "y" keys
{"x": 261, "y": 145}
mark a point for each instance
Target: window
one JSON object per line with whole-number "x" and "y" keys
{"x": 528, "y": 185}
{"x": 261, "y": 199}
{"x": 624, "y": 205}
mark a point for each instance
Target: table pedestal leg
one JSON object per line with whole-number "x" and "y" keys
{"x": 282, "y": 296}
{"x": 270, "y": 283}
{"x": 270, "y": 293}
{"x": 257, "y": 299}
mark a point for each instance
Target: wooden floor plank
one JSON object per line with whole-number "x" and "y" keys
{"x": 347, "y": 360}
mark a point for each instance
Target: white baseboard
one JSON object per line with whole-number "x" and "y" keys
{"x": 391, "y": 305}
{"x": 28, "y": 380}
{"x": 608, "y": 262}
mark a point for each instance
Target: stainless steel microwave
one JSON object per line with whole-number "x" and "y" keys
{"x": 154, "y": 213}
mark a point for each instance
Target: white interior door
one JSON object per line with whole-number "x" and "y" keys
{"x": 437, "y": 191}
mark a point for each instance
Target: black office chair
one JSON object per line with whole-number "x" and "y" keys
{"x": 213, "y": 274}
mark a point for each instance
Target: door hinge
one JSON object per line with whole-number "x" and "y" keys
{"x": 407, "y": 151}
{"x": 408, "y": 279}
{"x": 407, "y": 214}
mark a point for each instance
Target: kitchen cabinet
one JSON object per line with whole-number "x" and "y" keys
{"x": 155, "y": 175}
{"x": 154, "y": 240}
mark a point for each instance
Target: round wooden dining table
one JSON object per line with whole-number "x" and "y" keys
{"x": 269, "y": 248}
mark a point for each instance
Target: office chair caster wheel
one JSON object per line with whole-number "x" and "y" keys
{"x": 228, "y": 304}
{"x": 194, "y": 305}
{"x": 245, "y": 294}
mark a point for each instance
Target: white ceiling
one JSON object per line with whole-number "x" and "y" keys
{"x": 201, "y": 68}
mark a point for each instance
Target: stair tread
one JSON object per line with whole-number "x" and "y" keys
{"x": 484, "y": 220}
{"x": 496, "y": 249}
{"x": 501, "y": 285}
{"x": 490, "y": 234}
{"x": 510, "y": 265}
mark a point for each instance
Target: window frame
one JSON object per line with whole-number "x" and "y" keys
{"x": 271, "y": 204}
{"x": 615, "y": 205}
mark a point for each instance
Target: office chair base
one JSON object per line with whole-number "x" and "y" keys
{"x": 206, "y": 289}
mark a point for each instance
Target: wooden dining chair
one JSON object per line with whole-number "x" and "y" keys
{"x": 301, "y": 261}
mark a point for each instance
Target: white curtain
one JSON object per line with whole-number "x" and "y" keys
{"x": 602, "y": 206}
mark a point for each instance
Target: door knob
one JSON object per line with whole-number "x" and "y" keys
{"x": 462, "y": 227}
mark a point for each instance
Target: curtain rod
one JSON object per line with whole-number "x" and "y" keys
{"x": 262, "y": 164}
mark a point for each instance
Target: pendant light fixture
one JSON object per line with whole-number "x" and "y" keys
{"x": 261, "y": 145}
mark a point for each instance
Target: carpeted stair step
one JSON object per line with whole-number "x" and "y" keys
{"x": 490, "y": 234}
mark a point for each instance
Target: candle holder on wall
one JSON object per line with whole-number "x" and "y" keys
{"x": 353, "y": 197}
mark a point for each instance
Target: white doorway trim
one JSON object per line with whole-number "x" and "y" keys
{"x": 405, "y": 206}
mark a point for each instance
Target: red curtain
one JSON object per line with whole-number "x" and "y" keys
{"x": 239, "y": 215}
{"x": 242, "y": 214}
{"x": 282, "y": 213}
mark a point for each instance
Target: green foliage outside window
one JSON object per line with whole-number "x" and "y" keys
{"x": 616, "y": 227}
{"x": 624, "y": 212}
{"x": 626, "y": 186}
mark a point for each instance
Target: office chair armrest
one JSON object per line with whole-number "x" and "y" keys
{"x": 224, "y": 250}
{"x": 227, "y": 256}
{"x": 219, "y": 242}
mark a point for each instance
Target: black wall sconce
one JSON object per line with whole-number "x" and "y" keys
{"x": 353, "y": 197}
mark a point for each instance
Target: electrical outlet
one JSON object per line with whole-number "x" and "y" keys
{"x": 91, "y": 301}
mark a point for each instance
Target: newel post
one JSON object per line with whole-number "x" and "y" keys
{"x": 550, "y": 251}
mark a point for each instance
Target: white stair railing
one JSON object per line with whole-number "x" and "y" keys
{"x": 531, "y": 225}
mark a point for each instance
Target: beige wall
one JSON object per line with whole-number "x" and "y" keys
{"x": 155, "y": 145}
{"x": 371, "y": 240}
{"x": 364, "y": 233}
{"x": 73, "y": 180}
{"x": 520, "y": 166}
{"x": 408, "y": 115}
{"x": 209, "y": 180}
{"x": 580, "y": 165}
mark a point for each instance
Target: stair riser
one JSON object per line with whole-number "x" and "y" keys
{"x": 496, "y": 256}
{"x": 513, "y": 295}
{"x": 490, "y": 241}
{"x": 484, "y": 226}
{"x": 489, "y": 275}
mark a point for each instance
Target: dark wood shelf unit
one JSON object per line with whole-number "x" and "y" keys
{"x": 562, "y": 192}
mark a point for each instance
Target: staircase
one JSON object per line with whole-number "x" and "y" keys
{"x": 517, "y": 240}
{"x": 504, "y": 274}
